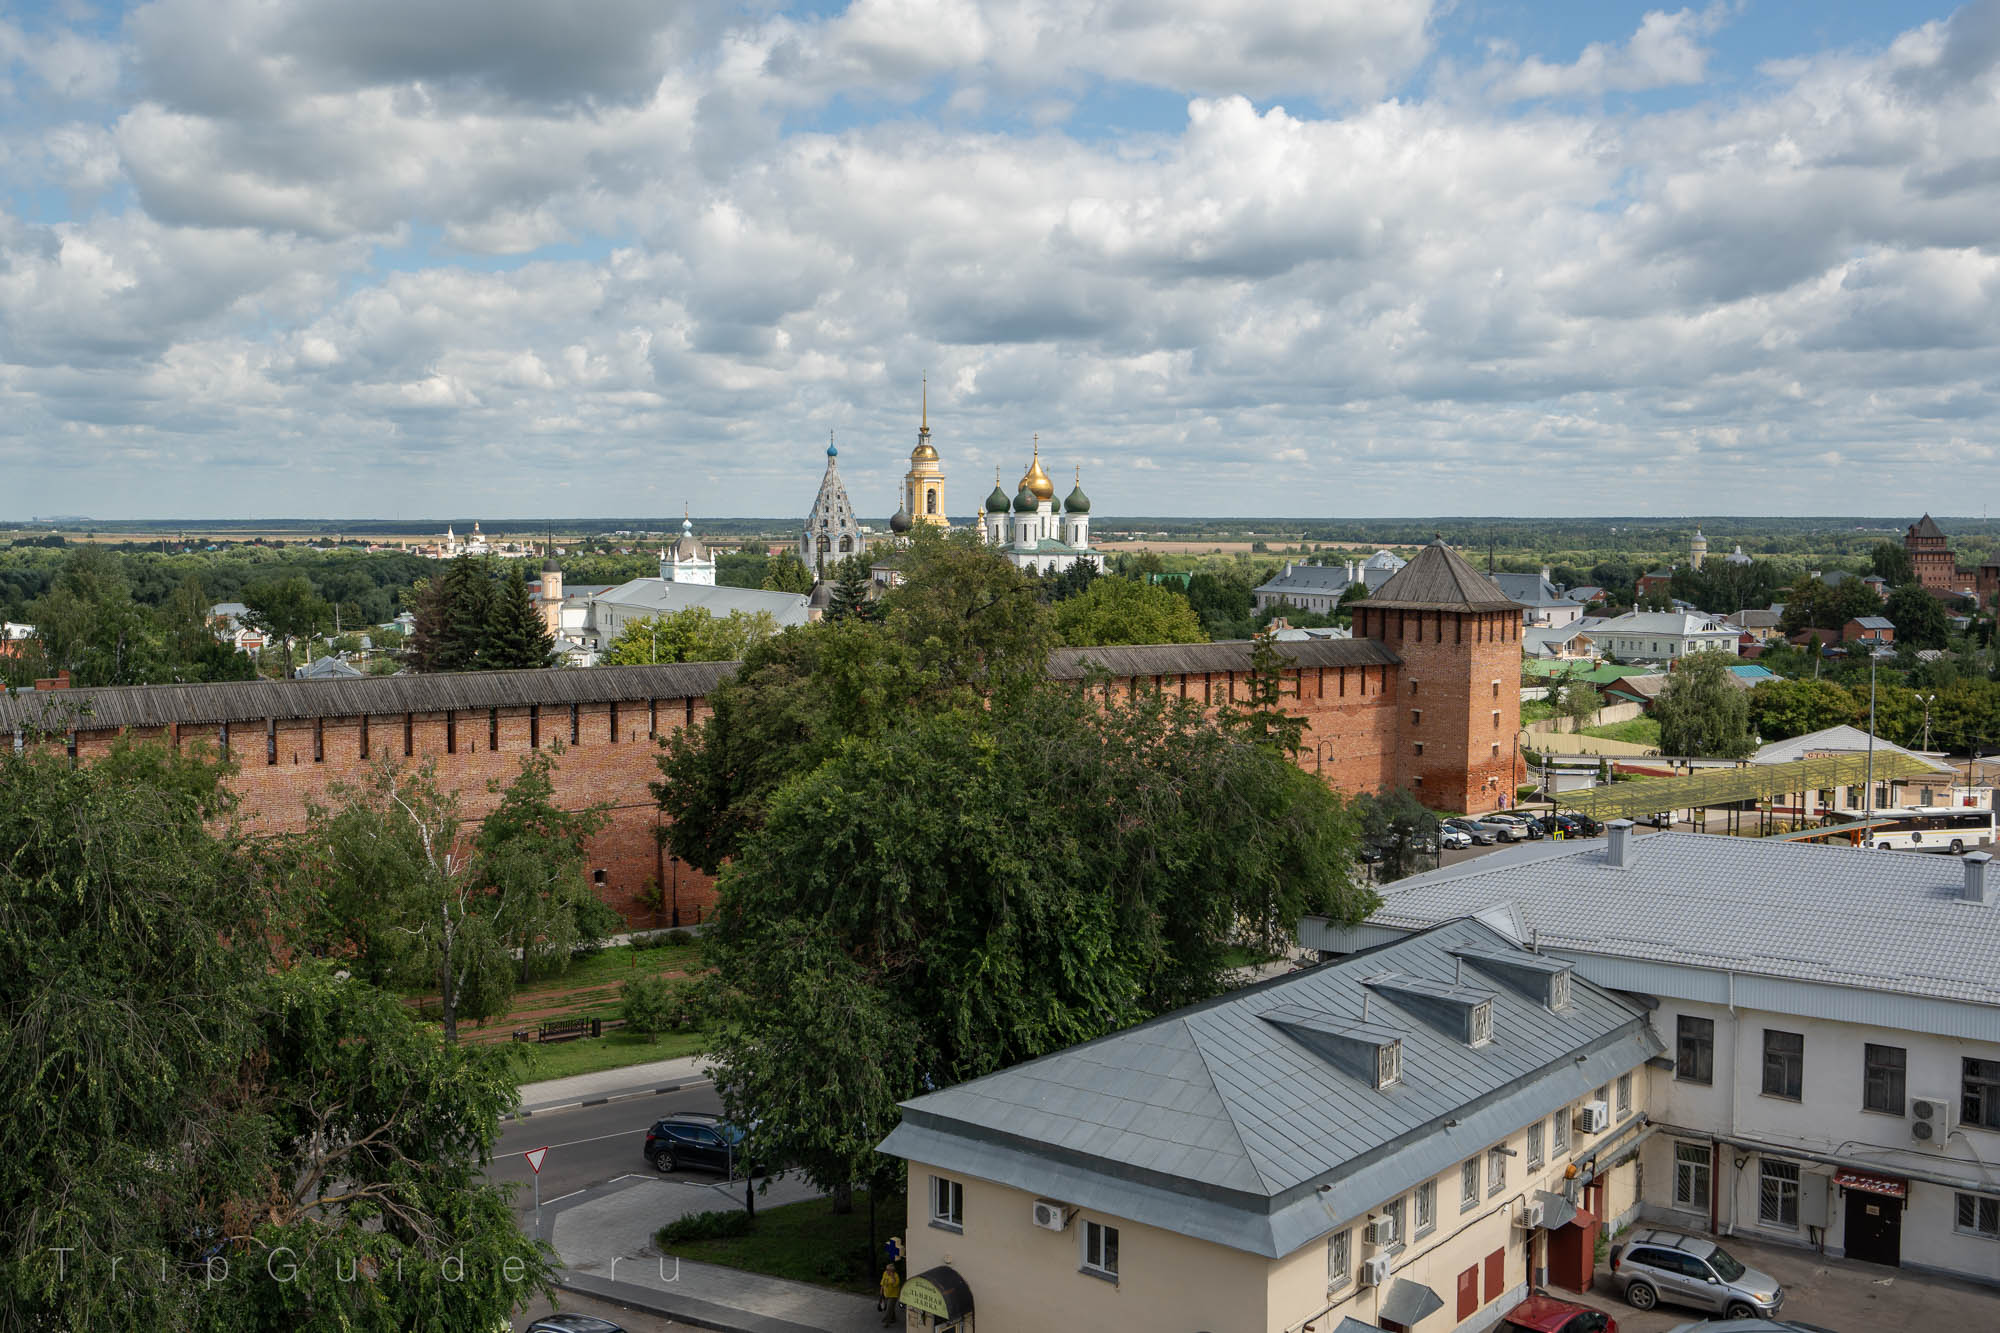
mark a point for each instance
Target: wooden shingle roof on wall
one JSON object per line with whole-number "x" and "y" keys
{"x": 1173, "y": 659}
{"x": 112, "y": 707}
{"x": 1439, "y": 579}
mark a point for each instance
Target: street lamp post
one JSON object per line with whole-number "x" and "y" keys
{"x": 1927, "y": 698}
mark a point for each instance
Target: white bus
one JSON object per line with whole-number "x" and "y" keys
{"x": 1927, "y": 828}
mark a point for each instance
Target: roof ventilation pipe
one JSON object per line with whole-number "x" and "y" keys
{"x": 1978, "y": 881}
{"x": 1618, "y": 844}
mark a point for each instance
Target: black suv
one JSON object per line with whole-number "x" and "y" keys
{"x": 695, "y": 1139}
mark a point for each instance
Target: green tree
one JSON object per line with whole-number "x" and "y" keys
{"x": 967, "y": 613}
{"x": 1891, "y": 563}
{"x": 1114, "y": 611}
{"x": 1265, "y": 720}
{"x": 787, "y": 573}
{"x": 394, "y": 869}
{"x": 287, "y": 609}
{"x": 688, "y": 635}
{"x": 202, "y": 1116}
{"x": 652, "y": 1005}
{"x": 1579, "y": 701}
{"x": 1851, "y": 599}
{"x": 1701, "y": 710}
{"x": 1397, "y": 825}
{"x": 531, "y": 861}
{"x": 454, "y": 612}
{"x": 1780, "y": 709}
{"x": 852, "y": 594}
{"x": 89, "y": 625}
{"x": 916, "y": 910}
{"x": 518, "y": 636}
{"x": 1919, "y": 618}
{"x": 1072, "y": 581}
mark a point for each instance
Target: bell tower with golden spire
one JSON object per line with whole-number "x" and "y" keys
{"x": 923, "y": 484}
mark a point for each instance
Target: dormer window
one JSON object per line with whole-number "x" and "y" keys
{"x": 1559, "y": 992}
{"x": 1482, "y": 1024}
{"x": 1388, "y": 1065}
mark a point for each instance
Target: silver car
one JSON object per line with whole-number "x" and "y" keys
{"x": 1653, "y": 1266}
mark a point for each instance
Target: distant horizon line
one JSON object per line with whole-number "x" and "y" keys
{"x": 666, "y": 522}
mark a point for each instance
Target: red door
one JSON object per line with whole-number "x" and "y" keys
{"x": 1468, "y": 1293}
{"x": 1496, "y": 1274}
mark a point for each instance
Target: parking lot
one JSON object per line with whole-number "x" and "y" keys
{"x": 1833, "y": 1293}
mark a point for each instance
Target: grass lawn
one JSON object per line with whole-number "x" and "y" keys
{"x": 1537, "y": 710}
{"x": 1639, "y": 731}
{"x": 807, "y": 1242}
{"x": 589, "y": 1055}
{"x": 1244, "y": 955}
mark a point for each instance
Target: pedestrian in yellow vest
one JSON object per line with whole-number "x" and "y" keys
{"x": 892, "y": 1289}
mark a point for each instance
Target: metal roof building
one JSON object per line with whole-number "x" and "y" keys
{"x": 1255, "y": 1121}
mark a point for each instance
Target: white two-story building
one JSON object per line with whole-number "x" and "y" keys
{"x": 1832, "y": 1019}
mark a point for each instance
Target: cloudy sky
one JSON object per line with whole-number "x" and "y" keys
{"x": 1350, "y": 257}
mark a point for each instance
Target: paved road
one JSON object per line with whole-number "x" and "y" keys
{"x": 587, "y": 1146}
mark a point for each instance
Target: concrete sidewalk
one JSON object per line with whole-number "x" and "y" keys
{"x": 611, "y": 1085}
{"x": 604, "y": 1239}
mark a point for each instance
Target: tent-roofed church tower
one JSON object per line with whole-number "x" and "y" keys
{"x": 923, "y": 484}
{"x": 831, "y": 534}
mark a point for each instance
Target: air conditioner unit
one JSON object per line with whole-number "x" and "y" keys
{"x": 1534, "y": 1215}
{"x": 1050, "y": 1215}
{"x": 1375, "y": 1270}
{"x": 1378, "y": 1231}
{"x": 1930, "y": 1118}
{"x": 1593, "y": 1118}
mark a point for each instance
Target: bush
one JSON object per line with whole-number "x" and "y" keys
{"x": 704, "y": 1226}
{"x": 652, "y": 1005}
{"x": 677, "y": 937}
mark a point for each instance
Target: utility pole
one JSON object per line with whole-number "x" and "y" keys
{"x": 1868, "y": 807}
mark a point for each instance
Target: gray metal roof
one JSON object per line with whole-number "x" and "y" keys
{"x": 1674, "y": 623}
{"x": 1530, "y": 589}
{"x": 1440, "y": 579}
{"x": 1842, "y": 739}
{"x": 1165, "y": 659}
{"x": 247, "y": 700}
{"x": 1842, "y": 916}
{"x": 1214, "y": 1122}
{"x": 663, "y": 596}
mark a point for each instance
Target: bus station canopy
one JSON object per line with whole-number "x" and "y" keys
{"x": 1716, "y": 787}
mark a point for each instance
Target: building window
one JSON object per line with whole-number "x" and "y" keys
{"x": 1390, "y": 1237}
{"x": 1416, "y": 717}
{"x": 1482, "y": 1023}
{"x": 1100, "y": 1250}
{"x": 1496, "y": 749}
{"x": 1339, "y": 1258}
{"x": 1778, "y": 1193}
{"x": 1978, "y": 1216}
{"x": 947, "y": 1203}
{"x": 1468, "y": 1185}
{"x": 1692, "y": 1164}
{"x": 1535, "y": 1141}
{"x": 1882, "y": 1069}
{"x": 1389, "y": 1064}
{"x": 1980, "y": 1100}
{"x": 1419, "y": 747}
{"x": 1427, "y": 1208}
{"x": 1784, "y": 1063}
{"x": 1496, "y": 1171}
{"x": 1559, "y": 1132}
{"x": 1496, "y": 719}
{"x": 1694, "y": 1041}
{"x": 1559, "y": 991}
{"x": 1624, "y": 1095}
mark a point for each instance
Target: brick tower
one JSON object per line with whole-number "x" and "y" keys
{"x": 1457, "y": 695}
{"x": 1933, "y": 561}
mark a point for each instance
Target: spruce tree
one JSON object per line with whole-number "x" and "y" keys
{"x": 850, "y": 589}
{"x": 518, "y": 636}
{"x": 466, "y": 615}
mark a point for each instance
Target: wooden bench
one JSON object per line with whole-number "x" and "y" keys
{"x": 568, "y": 1029}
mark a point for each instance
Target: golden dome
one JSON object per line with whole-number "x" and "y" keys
{"x": 1036, "y": 480}
{"x": 923, "y": 453}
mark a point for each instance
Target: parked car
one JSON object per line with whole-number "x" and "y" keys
{"x": 1579, "y": 826}
{"x": 574, "y": 1323}
{"x": 1453, "y": 837}
{"x": 1483, "y": 836}
{"x": 1528, "y": 824}
{"x": 1506, "y": 830}
{"x": 1542, "y": 1313}
{"x": 1654, "y": 1266}
{"x": 1749, "y": 1325}
{"x": 696, "y": 1139}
